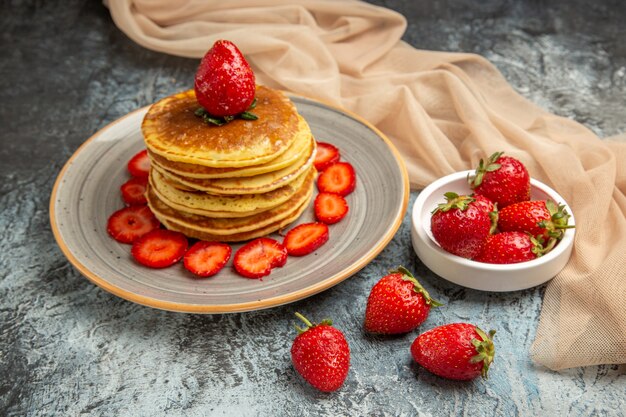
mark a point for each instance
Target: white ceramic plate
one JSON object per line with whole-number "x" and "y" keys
{"x": 87, "y": 192}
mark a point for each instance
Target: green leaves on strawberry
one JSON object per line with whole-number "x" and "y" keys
{"x": 502, "y": 179}
{"x": 461, "y": 224}
{"x": 224, "y": 84}
{"x": 397, "y": 304}
{"x": 537, "y": 217}
{"x": 458, "y": 351}
{"x": 321, "y": 355}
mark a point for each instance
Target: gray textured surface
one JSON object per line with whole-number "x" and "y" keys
{"x": 69, "y": 348}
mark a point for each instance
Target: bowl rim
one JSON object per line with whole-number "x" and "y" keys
{"x": 422, "y": 229}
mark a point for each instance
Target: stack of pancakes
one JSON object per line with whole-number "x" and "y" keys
{"x": 234, "y": 182}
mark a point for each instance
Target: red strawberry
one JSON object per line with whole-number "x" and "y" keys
{"x": 305, "y": 238}
{"x": 256, "y": 258}
{"x": 339, "y": 178}
{"x": 326, "y": 155}
{"x": 130, "y": 223}
{"x": 134, "y": 190}
{"x": 224, "y": 84}
{"x": 397, "y": 304}
{"x": 503, "y": 179}
{"x": 206, "y": 259}
{"x": 459, "y": 351}
{"x": 139, "y": 165}
{"x": 461, "y": 225}
{"x": 321, "y": 355}
{"x": 159, "y": 248}
{"x": 512, "y": 247}
{"x": 537, "y": 217}
{"x": 330, "y": 208}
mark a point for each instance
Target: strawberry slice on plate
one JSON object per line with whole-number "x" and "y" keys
{"x": 159, "y": 248}
{"x": 339, "y": 178}
{"x": 330, "y": 208}
{"x": 206, "y": 259}
{"x": 134, "y": 190}
{"x": 258, "y": 257}
{"x": 325, "y": 156}
{"x": 139, "y": 165}
{"x": 305, "y": 238}
{"x": 131, "y": 223}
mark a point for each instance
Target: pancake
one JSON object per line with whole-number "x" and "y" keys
{"x": 233, "y": 229}
{"x": 172, "y": 130}
{"x": 236, "y": 237}
{"x": 198, "y": 202}
{"x": 291, "y": 155}
{"x": 257, "y": 184}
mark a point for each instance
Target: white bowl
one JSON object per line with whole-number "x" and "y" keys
{"x": 479, "y": 275}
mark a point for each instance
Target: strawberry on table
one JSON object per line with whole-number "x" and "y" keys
{"x": 305, "y": 238}
{"x": 397, "y": 304}
{"x": 130, "y": 223}
{"x": 326, "y": 155}
{"x": 206, "y": 259}
{"x": 512, "y": 247}
{"x": 134, "y": 190}
{"x": 502, "y": 179}
{"x": 461, "y": 224}
{"x": 330, "y": 208}
{"x": 458, "y": 351}
{"x": 321, "y": 355}
{"x": 139, "y": 165}
{"x": 258, "y": 257}
{"x": 538, "y": 217}
{"x": 159, "y": 248}
{"x": 339, "y": 178}
{"x": 224, "y": 82}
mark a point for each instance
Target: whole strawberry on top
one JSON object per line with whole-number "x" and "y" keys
{"x": 397, "y": 304}
{"x": 458, "y": 351}
{"x": 461, "y": 224}
{"x": 513, "y": 247}
{"x": 537, "y": 217}
{"x": 320, "y": 353}
{"x": 502, "y": 179}
{"x": 224, "y": 84}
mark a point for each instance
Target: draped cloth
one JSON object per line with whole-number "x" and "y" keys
{"x": 443, "y": 111}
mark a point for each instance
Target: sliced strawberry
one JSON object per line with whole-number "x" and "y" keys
{"x": 134, "y": 190}
{"x": 139, "y": 165}
{"x": 330, "y": 208}
{"x": 326, "y": 155}
{"x": 206, "y": 259}
{"x": 339, "y": 178}
{"x": 130, "y": 223}
{"x": 159, "y": 248}
{"x": 256, "y": 258}
{"x": 305, "y": 238}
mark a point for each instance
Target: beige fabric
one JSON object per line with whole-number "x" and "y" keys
{"x": 444, "y": 111}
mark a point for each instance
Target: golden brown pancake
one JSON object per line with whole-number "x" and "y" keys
{"x": 291, "y": 155}
{"x": 172, "y": 130}
{"x": 257, "y": 184}
{"x": 198, "y": 202}
{"x": 233, "y": 229}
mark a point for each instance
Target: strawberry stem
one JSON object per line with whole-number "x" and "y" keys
{"x": 310, "y": 325}
{"x": 417, "y": 287}
{"x": 454, "y": 201}
{"x": 477, "y": 179}
{"x": 485, "y": 350}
